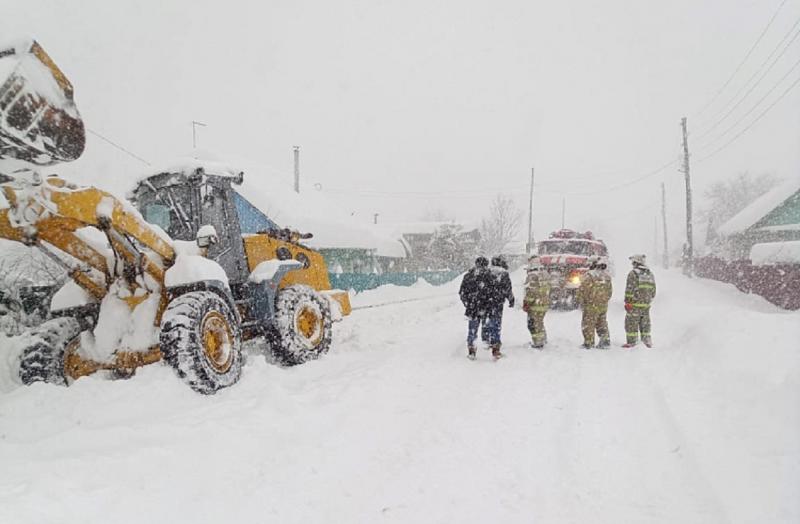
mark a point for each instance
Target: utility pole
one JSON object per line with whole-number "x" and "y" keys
{"x": 689, "y": 262}
{"x": 665, "y": 255}
{"x": 194, "y": 132}
{"x": 296, "y": 169}
{"x": 529, "y": 245}
{"x": 655, "y": 237}
{"x": 563, "y": 210}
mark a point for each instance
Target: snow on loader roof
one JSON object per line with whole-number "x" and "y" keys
{"x": 308, "y": 212}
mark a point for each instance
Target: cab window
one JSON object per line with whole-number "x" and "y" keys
{"x": 251, "y": 219}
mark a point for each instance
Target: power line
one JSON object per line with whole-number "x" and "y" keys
{"x": 746, "y": 56}
{"x": 760, "y": 79}
{"x": 743, "y": 131}
{"x": 137, "y": 157}
{"x": 628, "y": 213}
{"x": 755, "y": 106}
{"x": 480, "y": 192}
{"x": 631, "y": 182}
{"x": 577, "y": 179}
{"x": 447, "y": 192}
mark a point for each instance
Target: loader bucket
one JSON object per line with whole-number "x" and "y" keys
{"x": 39, "y": 122}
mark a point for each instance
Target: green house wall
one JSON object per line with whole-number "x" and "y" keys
{"x": 785, "y": 214}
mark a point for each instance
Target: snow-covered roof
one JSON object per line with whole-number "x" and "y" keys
{"x": 761, "y": 207}
{"x": 398, "y": 229}
{"x": 189, "y": 164}
{"x": 307, "y": 212}
{"x": 776, "y": 253}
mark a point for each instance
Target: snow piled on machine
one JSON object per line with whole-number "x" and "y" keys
{"x": 120, "y": 327}
{"x": 70, "y": 295}
{"x": 267, "y": 269}
{"x": 15, "y": 46}
{"x": 307, "y": 212}
{"x": 188, "y": 269}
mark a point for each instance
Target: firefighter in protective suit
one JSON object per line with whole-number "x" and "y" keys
{"x": 593, "y": 297}
{"x": 640, "y": 290}
{"x": 536, "y": 301}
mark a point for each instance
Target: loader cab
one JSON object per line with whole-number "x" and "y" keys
{"x": 181, "y": 203}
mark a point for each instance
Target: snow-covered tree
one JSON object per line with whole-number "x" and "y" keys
{"x": 447, "y": 249}
{"x": 501, "y": 226}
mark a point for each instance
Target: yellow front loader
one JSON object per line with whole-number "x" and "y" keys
{"x": 185, "y": 271}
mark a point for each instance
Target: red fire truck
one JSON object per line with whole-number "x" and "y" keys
{"x": 565, "y": 256}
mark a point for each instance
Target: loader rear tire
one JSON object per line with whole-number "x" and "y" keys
{"x": 201, "y": 340}
{"x": 43, "y": 360}
{"x": 303, "y": 326}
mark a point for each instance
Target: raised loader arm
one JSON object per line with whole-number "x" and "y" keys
{"x": 39, "y": 122}
{"x": 119, "y": 256}
{"x": 53, "y": 212}
{"x": 40, "y": 125}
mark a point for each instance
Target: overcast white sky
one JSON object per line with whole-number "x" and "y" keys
{"x": 408, "y": 106}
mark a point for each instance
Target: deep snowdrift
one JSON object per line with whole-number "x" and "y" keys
{"x": 396, "y": 425}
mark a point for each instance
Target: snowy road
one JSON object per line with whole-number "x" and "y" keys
{"x": 396, "y": 425}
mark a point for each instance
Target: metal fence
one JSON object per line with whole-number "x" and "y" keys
{"x": 780, "y": 283}
{"x": 364, "y": 281}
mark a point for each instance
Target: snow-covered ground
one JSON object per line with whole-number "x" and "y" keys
{"x": 396, "y": 425}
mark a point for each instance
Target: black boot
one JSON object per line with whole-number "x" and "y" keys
{"x": 496, "y": 351}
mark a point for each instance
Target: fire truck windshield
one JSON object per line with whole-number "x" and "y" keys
{"x": 561, "y": 247}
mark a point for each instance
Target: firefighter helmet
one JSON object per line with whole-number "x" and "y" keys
{"x": 638, "y": 260}
{"x": 534, "y": 263}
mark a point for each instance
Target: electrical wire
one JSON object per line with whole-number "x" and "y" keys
{"x": 448, "y": 192}
{"x": 759, "y": 117}
{"x": 752, "y": 88}
{"x": 755, "y": 106}
{"x": 631, "y": 182}
{"x": 746, "y": 56}
{"x": 481, "y": 192}
{"x": 133, "y": 155}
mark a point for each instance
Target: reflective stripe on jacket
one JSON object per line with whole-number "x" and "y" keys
{"x": 537, "y": 292}
{"x": 640, "y": 288}
{"x": 595, "y": 290}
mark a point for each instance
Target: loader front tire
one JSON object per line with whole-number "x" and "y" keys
{"x": 303, "y": 327}
{"x": 201, "y": 340}
{"x": 43, "y": 360}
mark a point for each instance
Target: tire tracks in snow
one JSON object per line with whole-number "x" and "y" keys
{"x": 675, "y": 433}
{"x": 566, "y": 459}
{"x": 599, "y": 427}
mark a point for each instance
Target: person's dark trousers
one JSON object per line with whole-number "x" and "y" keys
{"x": 494, "y": 324}
{"x": 472, "y": 330}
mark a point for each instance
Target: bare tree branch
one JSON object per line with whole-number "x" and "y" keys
{"x": 501, "y": 226}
